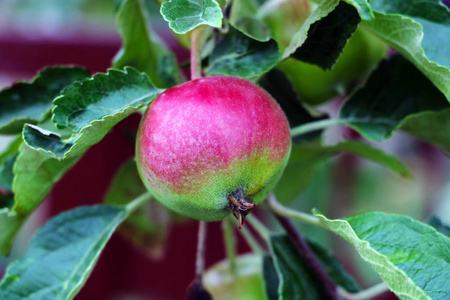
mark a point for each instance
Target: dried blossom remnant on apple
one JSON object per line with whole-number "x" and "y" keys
{"x": 212, "y": 146}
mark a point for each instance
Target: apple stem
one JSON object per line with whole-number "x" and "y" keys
{"x": 281, "y": 210}
{"x": 230, "y": 243}
{"x": 329, "y": 289}
{"x": 239, "y": 206}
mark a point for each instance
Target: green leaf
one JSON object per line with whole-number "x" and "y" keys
{"x": 434, "y": 17}
{"x": 146, "y": 227}
{"x": 364, "y": 9}
{"x": 184, "y": 15}
{"x": 296, "y": 282}
{"x": 6, "y": 180}
{"x": 139, "y": 50}
{"x": 10, "y": 223}
{"x": 91, "y": 108}
{"x": 433, "y": 127}
{"x": 271, "y": 280}
{"x": 62, "y": 254}
{"x": 411, "y": 257}
{"x": 35, "y": 175}
{"x": 241, "y": 56}
{"x": 440, "y": 226}
{"x": 28, "y": 102}
{"x": 394, "y": 91}
{"x": 306, "y": 158}
{"x": 252, "y": 28}
{"x": 7, "y": 160}
{"x": 295, "y": 279}
{"x": 424, "y": 40}
{"x": 333, "y": 267}
{"x": 327, "y": 37}
{"x": 324, "y": 10}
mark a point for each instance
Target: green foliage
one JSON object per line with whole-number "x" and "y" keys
{"x": 35, "y": 174}
{"x": 302, "y": 53}
{"x": 434, "y": 17}
{"x": 140, "y": 50}
{"x": 393, "y": 92}
{"x": 411, "y": 257}
{"x": 29, "y": 102}
{"x": 62, "y": 254}
{"x": 295, "y": 280}
{"x": 406, "y": 36}
{"x": 323, "y": 9}
{"x": 7, "y": 160}
{"x": 433, "y": 127}
{"x": 241, "y": 56}
{"x": 10, "y": 223}
{"x": 183, "y": 15}
{"x": 91, "y": 108}
{"x": 328, "y": 36}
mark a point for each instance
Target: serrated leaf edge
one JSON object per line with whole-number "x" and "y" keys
{"x": 352, "y": 238}
{"x": 299, "y": 38}
{"x": 125, "y": 111}
{"x": 412, "y": 53}
{"x": 203, "y": 22}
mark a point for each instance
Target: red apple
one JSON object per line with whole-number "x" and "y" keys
{"x": 212, "y": 146}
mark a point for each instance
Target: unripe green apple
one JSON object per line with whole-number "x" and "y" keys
{"x": 245, "y": 284}
{"x": 212, "y": 146}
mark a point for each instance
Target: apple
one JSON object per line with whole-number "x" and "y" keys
{"x": 212, "y": 146}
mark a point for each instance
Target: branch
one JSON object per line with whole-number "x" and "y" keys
{"x": 281, "y": 210}
{"x": 317, "y": 125}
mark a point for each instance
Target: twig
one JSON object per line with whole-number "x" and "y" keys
{"x": 317, "y": 125}
{"x": 281, "y": 210}
{"x": 366, "y": 294}
{"x": 200, "y": 257}
{"x": 138, "y": 201}
{"x": 230, "y": 243}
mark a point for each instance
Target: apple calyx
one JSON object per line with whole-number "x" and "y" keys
{"x": 239, "y": 206}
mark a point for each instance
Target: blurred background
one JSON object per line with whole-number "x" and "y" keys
{"x": 35, "y": 34}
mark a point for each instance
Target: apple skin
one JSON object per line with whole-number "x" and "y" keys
{"x": 203, "y": 140}
{"x": 246, "y": 284}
